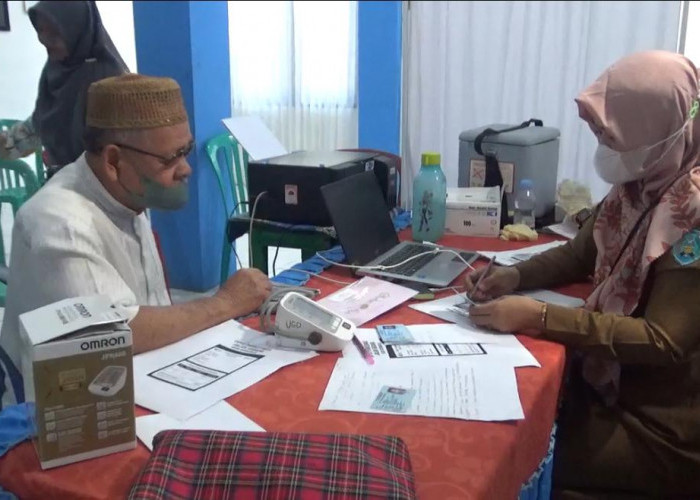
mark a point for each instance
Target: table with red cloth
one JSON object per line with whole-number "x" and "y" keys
{"x": 452, "y": 459}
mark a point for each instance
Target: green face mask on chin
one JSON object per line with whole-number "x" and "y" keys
{"x": 159, "y": 197}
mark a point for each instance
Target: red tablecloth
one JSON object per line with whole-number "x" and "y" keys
{"x": 452, "y": 459}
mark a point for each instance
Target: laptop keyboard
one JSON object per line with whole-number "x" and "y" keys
{"x": 410, "y": 267}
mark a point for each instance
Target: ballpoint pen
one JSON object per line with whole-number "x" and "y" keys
{"x": 478, "y": 282}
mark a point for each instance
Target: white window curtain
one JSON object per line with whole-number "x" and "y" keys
{"x": 294, "y": 65}
{"x": 469, "y": 64}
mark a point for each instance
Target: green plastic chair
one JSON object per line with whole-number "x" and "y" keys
{"x": 40, "y": 171}
{"x": 17, "y": 183}
{"x": 236, "y": 159}
{"x": 3, "y": 285}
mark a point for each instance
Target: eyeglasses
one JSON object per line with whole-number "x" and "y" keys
{"x": 167, "y": 161}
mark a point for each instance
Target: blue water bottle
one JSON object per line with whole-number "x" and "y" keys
{"x": 429, "y": 197}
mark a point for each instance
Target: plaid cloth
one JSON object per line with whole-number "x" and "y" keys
{"x": 259, "y": 465}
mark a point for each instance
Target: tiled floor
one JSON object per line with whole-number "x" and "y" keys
{"x": 286, "y": 258}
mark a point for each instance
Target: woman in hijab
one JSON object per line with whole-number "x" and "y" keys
{"x": 80, "y": 52}
{"x": 629, "y": 425}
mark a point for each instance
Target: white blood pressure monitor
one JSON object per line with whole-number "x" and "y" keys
{"x": 302, "y": 323}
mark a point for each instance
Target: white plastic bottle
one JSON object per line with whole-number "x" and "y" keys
{"x": 525, "y": 204}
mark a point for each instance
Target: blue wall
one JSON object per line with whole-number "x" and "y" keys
{"x": 188, "y": 41}
{"x": 379, "y": 74}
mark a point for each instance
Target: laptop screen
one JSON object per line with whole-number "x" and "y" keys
{"x": 360, "y": 216}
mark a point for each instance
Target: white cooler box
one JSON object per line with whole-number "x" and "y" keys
{"x": 473, "y": 211}
{"x": 527, "y": 153}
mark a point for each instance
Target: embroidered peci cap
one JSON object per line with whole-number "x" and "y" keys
{"x": 134, "y": 101}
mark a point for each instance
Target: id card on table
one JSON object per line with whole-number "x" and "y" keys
{"x": 393, "y": 399}
{"x": 394, "y": 334}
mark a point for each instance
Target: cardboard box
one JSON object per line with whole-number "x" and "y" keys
{"x": 77, "y": 365}
{"x": 474, "y": 211}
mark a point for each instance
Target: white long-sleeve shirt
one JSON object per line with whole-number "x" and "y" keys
{"x": 72, "y": 238}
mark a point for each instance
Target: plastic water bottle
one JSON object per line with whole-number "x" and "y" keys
{"x": 429, "y": 198}
{"x": 525, "y": 204}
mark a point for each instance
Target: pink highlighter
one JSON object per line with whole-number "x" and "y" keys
{"x": 365, "y": 353}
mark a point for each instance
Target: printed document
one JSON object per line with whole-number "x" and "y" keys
{"x": 509, "y": 352}
{"x": 366, "y": 299}
{"x": 433, "y": 388}
{"x": 184, "y": 378}
{"x": 220, "y": 417}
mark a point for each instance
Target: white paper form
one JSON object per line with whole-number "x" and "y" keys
{"x": 435, "y": 388}
{"x": 512, "y": 257}
{"x": 568, "y": 229}
{"x": 448, "y": 333}
{"x": 184, "y": 378}
{"x": 254, "y": 136}
{"x": 220, "y": 417}
{"x": 509, "y": 352}
{"x": 444, "y": 308}
{"x": 366, "y": 299}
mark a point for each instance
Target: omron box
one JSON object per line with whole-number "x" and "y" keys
{"x": 292, "y": 183}
{"x": 473, "y": 211}
{"x": 78, "y": 372}
{"x": 527, "y": 153}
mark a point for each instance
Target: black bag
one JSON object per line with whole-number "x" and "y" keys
{"x": 493, "y": 175}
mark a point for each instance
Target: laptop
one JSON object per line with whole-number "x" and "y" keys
{"x": 363, "y": 225}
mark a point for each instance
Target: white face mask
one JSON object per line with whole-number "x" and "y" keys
{"x": 617, "y": 167}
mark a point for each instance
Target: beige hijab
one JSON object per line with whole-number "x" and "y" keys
{"x": 638, "y": 101}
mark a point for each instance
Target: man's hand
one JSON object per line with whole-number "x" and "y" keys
{"x": 511, "y": 314}
{"x": 245, "y": 291}
{"x": 500, "y": 281}
{"x": 157, "y": 326}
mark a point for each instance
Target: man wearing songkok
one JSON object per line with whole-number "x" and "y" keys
{"x": 86, "y": 231}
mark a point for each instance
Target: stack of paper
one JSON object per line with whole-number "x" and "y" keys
{"x": 191, "y": 375}
{"x": 454, "y": 370}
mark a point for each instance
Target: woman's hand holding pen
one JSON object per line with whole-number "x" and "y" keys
{"x": 504, "y": 314}
{"x": 510, "y": 314}
{"x": 499, "y": 281}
